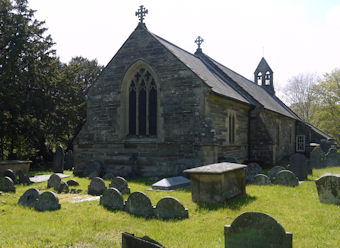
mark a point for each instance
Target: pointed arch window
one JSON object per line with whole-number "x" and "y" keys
{"x": 142, "y": 104}
{"x": 259, "y": 78}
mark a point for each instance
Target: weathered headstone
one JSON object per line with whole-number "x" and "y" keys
{"x": 29, "y": 198}
{"x": 298, "y": 165}
{"x": 10, "y": 173}
{"x": 112, "y": 199}
{"x": 97, "y": 186}
{"x": 332, "y": 158}
{"x": 170, "y": 208}
{"x": 131, "y": 241}
{"x": 252, "y": 170}
{"x": 287, "y": 178}
{"x": 58, "y": 160}
{"x": 24, "y": 179}
{"x": 139, "y": 204}
{"x": 72, "y": 182}
{"x": 273, "y": 171}
{"x": 68, "y": 161}
{"x": 93, "y": 169}
{"x": 7, "y": 184}
{"x": 121, "y": 184}
{"x": 261, "y": 179}
{"x": 54, "y": 181}
{"x": 47, "y": 201}
{"x": 256, "y": 230}
{"x": 328, "y": 187}
{"x": 171, "y": 183}
{"x": 317, "y": 157}
{"x": 63, "y": 187}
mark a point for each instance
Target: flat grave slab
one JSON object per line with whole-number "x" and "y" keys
{"x": 43, "y": 178}
{"x": 171, "y": 183}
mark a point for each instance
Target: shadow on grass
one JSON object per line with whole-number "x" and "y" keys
{"x": 233, "y": 204}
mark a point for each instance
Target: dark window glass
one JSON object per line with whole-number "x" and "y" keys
{"x": 132, "y": 110}
{"x": 153, "y": 111}
{"x": 142, "y": 110}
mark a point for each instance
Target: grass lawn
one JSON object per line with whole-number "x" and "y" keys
{"x": 86, "y": 224}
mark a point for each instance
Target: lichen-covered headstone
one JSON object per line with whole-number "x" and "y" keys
{"x": 97, "y": 186}
{"x": 317, "y": 157}
{"x": 58, "y": 160}
{"x": 112, "y": 199}
{"x": 131, "y": 241}
{"x": 139, "y": 204}
{"x": 261, "y": 179}
{"x": 10, "y": 173}
{"x": 120, "y": 184}
{"x": 252, "y": 170}
{"x": 47, "y": 201}
{"x": 170, "y": 208}
{"x": 273, "y": 171}
{"x": 256, "y": 230}
{"x": 287, "y": 178}
{"x": 328, "y": 187}
{"x": 332, "y": 158}
{"x": 63, "y": 187}
{"x": 298, "y": 165}
{"x": 29, "y": 198}
{"x": 7, "y": 184}
{"x": 72, "y": 182}
{"x": 54, "y": 181}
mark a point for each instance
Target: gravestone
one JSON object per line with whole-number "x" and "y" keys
{"x": 252, "y": 170}
{"x": 63, "y": 187}
{"x": 256, "y": 230}
{"x": 29, "y": 198}
{"x": 97, "y": 186}
{"x": 93, "y": 169}
{"x": 58, "y": 160}
{"x": 10, "y": 173}
{"x": 171, "y": 183}
{"x": 7, "y": 184}
{"x": 72, "y": 182}
{"x": 47, "y": 201}
{"x": 68, "y": 161}
{"x": 317, "y": 158}
{"x": 273, "y": 171}
{"x": 131, "y": 241}
{"x": 170, "y": 208}
{"x": 54, "y": 181}
{"x": 139, "y": 204}
{"x": 298, "y": 165}
{"x": 112, "y": 199}
{"x": 24, "y": 179}
{"x": 287, "y": 178}
{"x": 120, "y": 184}
{"x": 328, "y": 187}
{"x": 332, "y": 158}
{"x": 261, "y": 179}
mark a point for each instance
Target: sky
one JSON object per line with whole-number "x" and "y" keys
{"x": 294, "y": 36}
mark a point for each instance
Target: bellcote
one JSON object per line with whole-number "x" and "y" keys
{"x": 263, "y": 76}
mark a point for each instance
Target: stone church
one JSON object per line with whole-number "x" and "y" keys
{"x": 157, "y": 109}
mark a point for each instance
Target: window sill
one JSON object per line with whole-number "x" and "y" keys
{"x": 142, "y": 139}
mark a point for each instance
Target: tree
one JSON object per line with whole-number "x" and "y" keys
{"x": 299, "y": 94}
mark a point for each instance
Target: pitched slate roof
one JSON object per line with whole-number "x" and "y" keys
{"x": 226, "y": 82}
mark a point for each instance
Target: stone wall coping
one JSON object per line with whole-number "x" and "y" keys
{"x": 15, "y": 162}
{"x": 218, "y": 168}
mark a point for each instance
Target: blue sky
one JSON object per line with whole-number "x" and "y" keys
{"x": 297, "y": 36}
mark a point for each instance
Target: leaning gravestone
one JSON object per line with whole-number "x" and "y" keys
{"x": 256, "y": 230}
{"x": 7, "y": 184}
{"x": 97, "y": 186}
{"x": 328, "y": 187}
{"x": 112, "y": 199}
{"x": 63, "y": 187}
{"x": 58, "y": 160}
{"x": 47, "y": 201}
{"x": 10, "y": 173}
{"x": 68, "y": 161}
{"x": 139, "y": 204}
{"x": 298, "y": 165}
{"x": 317, "y": 157}
{"x": 120, "y": 184}
{"x": 273, "y": 171}
{"x": 170, "y": 208}
{"x": 287, "y": 178}
{"x": 261, "y": 179}
{"x": 29, "y": 198}
{"x": 54, "y": 181}
{"x": 252, "y": 170}
{"x": 332, "y": 158}
{"x": 131, "y": 241}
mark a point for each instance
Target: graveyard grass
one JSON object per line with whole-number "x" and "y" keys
{"x": 87, "y": 224}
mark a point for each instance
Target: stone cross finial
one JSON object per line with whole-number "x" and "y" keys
{"x": 199, "y": 41}
{"x": 141, "y": 13}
